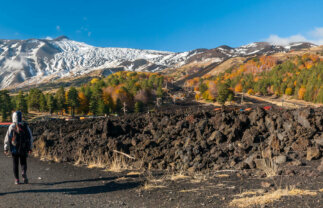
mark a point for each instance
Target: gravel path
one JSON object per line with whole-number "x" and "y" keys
{"x": 62, "y": 185}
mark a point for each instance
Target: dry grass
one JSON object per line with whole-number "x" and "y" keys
{"x": 149, "y": 186}
{"x": 222, "y": 176}
{"x": 268, "y": 166}
{"x": 191, "y": 190}
{"x": 153, "y": 182}
{"x": 121, "y": 179}
{"x": 212, "y": 196}
{"x": 97, "y": 163}
{"x": 134, "y": 173}
{"x": 179, "y": 176}
{"x": 321, "y": 190}
{"x": 199, "y": 177}
{"x": 250, "y": 192}
{"x": 118, "y": 164}
{"x": 269, "y": 197}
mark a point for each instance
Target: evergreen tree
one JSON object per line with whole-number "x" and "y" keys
{"x": 21, "y": 103}
{"x": 51, "y": 104}
{"x": 34, "y": 99}
{"x": 94, "y": 106}
{"x": 60, "y": 99}
{"x": 224, "y": 93}
{"x": 42, "y": 102}
{"x": 5, "y": 104}
{"x": 73, "y": 99}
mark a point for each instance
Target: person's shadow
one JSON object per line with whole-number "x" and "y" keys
{"x": 107, "y": 187}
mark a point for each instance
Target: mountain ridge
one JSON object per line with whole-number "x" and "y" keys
{"x": 32, "y": 61}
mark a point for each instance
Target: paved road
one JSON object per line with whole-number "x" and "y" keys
{"x": 63, "y": 185}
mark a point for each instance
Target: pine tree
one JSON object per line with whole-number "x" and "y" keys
{"x": 42, "y": 102}
{"x": 60, "y": 99}
{"x": 73, "y": 99}
{"x": 224, "y": 93}
{"x": 6, "y": 106}
{"x": 94, "y": 106}
{"x": 21, "y": 103}
{"x": 50, "y": 103}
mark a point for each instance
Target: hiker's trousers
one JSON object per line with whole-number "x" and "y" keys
{"x": 23, "y": 163}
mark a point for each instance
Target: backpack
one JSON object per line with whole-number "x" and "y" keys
{"x": 20, "y": 141}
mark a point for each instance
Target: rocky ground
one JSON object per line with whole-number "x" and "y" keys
{"x": 193, "y": 139}
{"x": 195, "y": 156}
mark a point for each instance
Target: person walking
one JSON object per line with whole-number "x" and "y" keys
{"x": 19, "y": 141}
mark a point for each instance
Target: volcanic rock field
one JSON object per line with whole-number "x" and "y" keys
{"x": 194, "y": 139}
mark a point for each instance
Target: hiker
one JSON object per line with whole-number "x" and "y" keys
{"x": 19, "y": 140}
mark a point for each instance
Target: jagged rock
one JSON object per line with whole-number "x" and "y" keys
{"x": 319, "y": 140}
{"x": 280, "y": 159}
{"x": 313, "y": 153}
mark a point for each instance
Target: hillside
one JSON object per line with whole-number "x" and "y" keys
{"x": 297, "y": 74}
{"x": 38, "y": 61}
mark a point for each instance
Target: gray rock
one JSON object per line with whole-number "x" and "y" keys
{"x": 280, "y": 159}
{"x": 319, "y": 140}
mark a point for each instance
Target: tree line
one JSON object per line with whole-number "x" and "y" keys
{"x": 119, "y": 92}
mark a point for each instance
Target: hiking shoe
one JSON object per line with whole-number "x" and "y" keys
{"x": 17, "y": 181}
{"x": 25, "y": 180}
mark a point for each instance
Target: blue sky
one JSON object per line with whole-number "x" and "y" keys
{"x": 171, "y": 25}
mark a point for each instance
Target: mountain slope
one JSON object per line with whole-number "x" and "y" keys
{"x": 32, "y": 61}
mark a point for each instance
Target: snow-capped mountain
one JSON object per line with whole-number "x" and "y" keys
{"x": 33, "y": 61}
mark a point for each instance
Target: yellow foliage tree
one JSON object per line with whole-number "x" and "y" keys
{"x": 238, "y": 87}
{"x": 288, "y": 91}
{"x": 301, "y": 93}
{"x": 84, "y": 103}
{"x": 251, "y": 92}
{"x": 94, "y": 80}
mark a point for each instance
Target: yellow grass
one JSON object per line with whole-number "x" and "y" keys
{"x": 251, "y": 192}
{"x": 121, "y": 179}
{"x": 178, "y": 176}
{"x": 222, "y": 176}
{"x": 149, "y": 186}
{"x": 269, "y": 197}
{"x": 190, "y": 190}
{"x": 134, "y": 173}
{"x": 214, "y": 195}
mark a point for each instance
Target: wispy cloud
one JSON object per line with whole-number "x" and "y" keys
{"x": 314, "y": 36}
{"x": 18, "y": 63}
{"x": 58, "y": 28}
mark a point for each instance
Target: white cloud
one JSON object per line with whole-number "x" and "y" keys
{"x": 18, "y": 63}
{"x": 58, "y": 28}
{"x": 89, "y": 34}
{"x": 315, "y": 36}
{"x": 276, "y": 40}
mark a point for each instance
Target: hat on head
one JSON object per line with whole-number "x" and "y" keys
{"x": 17, "y": 117}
